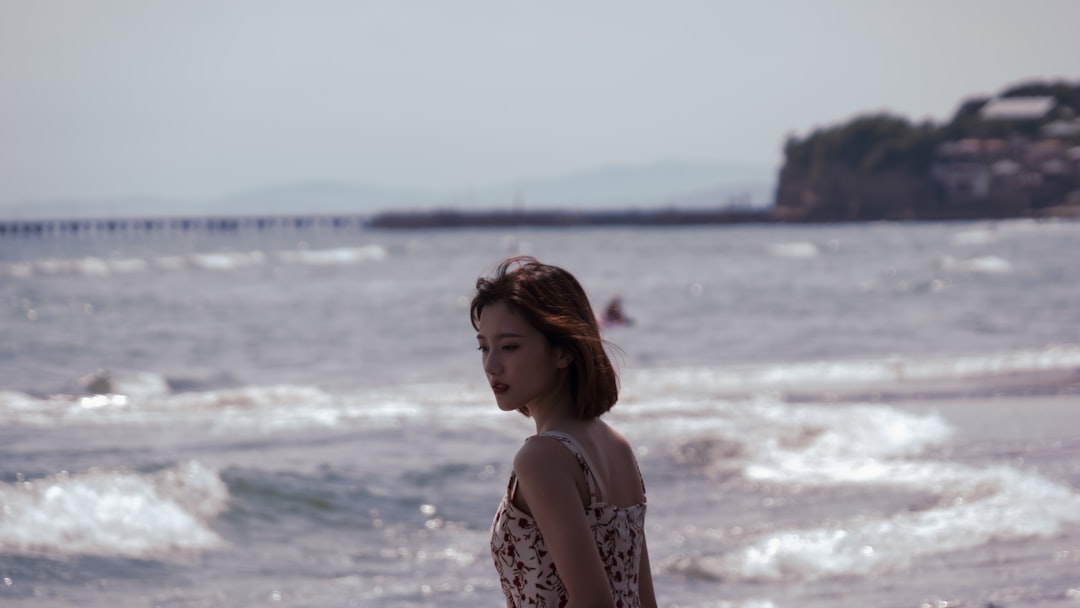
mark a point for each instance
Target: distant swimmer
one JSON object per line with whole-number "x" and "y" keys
{"x": 614, "y": 314}
{"x": 98, "y": 383}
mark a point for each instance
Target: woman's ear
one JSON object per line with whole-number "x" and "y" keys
{"x": 563, "y": 358}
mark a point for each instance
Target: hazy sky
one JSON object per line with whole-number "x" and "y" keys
{"x": 200, "y": 98}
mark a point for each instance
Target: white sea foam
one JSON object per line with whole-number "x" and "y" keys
{"x": 113, "y": 513}
{"x": 876, "y": 374}
{"x": 149, "y": 403}
{"x": 128, "y": 265}
{"x": 798, "y": 250}
{"x": 334, "y": 257}
{"x": 988, "y": 264}
{"x": 975, "y": 507}
{"x": 214, "y": 261}
{"x": 770, "y": 441}
{"x": 839, "y": 444}
{"x": 88, "y": 266}
{"x": 144, "y": 400}
{"x": 781, "y": 444}
{"x": 16, "y": 270}
{"x": 226, "y": 261}
{"x": 975, "y": 236}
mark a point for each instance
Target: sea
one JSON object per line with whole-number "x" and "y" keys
{"x": 826, "y": 415}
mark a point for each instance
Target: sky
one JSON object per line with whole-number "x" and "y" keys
{"x": 203, "y": 98}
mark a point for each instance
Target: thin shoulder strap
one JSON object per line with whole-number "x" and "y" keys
{"x": 583, "y": 459}
{"x": 511, "y": 486}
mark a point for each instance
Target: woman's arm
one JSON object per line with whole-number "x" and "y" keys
{"x": 546, "y": 482}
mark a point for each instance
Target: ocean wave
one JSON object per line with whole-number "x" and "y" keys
{"x": 342, "y": 256}
{"x": 974, "y": 507}
{"x": 993, "y": 232}
{"x": 144, "y": 400}
{"x": 842, "y": 444}
{"x": 226, "y": 261}
{"x": 766, "y": 440}
{"x": 824, "y": 378}
{"x": 259, "y": 408}
{"x": 93, "y": 266}
{"x": 113, "y": 513}
{"x": 795, "y": 250}
{"x": 783, "y": 445}
{"x": 688, "y": 393}
{"x": 987, "y": 264}
{"x": 974, "y": 236}
{"x": 326, "y": 497}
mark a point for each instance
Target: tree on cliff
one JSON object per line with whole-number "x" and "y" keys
{"x": 864, "y": 170}
{"x": 877, "y": 167}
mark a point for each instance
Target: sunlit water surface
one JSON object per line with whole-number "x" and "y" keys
{"x": 859, "y": 415}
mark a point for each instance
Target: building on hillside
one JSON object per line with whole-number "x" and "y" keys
{"x": 1017, "y": 108}
{"x": 1062, "y": 129}
{"x": 1033, "y": 168}
{"x": 1006, "y": 177}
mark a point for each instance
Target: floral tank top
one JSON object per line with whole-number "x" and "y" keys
{"x": 525, "y": 566}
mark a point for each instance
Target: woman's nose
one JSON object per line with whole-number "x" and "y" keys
{"x": 491, "y": 365}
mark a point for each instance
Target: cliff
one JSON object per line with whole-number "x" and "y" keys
{"x": 1014, "y": 155}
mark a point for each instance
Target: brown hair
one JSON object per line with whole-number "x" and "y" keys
{"x": 551, "y": 300}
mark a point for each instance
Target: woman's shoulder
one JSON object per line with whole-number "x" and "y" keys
{"x": 539, "y": 452}
{"x": 547, "y": 468}
{"x": 596, "y": 438}
{"x": 607, "y": 440}
{"x": 539, "y": 444}
{"x": 617, "y": 439}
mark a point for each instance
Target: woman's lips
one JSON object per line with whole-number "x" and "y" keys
{"x": 499, "y": 388}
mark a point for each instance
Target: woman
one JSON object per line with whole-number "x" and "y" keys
{"x": 570, "y": 529}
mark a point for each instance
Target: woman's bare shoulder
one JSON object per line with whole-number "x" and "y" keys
{"x": 618, "y": 442}
{"x": 539, "y": 453}
{"x": 546, "y": 470}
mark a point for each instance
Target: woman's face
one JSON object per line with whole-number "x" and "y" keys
{"x": 519, "y": 362}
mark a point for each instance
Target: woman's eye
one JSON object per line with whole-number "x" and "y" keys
{"x": 510, "y": 347}
{"x": 482, "y": 349}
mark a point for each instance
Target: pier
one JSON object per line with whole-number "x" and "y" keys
{"x": 567, "y": 218}
{"x": 17, "y": 228}
{"x": 393, "y": 220}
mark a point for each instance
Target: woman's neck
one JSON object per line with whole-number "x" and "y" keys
{"x": 555, "y": 410}
{"x": 555, "y": 420}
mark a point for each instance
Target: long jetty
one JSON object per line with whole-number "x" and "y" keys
{"x": 442, "y": 218}
{"x": 568, "y": 218}
{"x": 133, "y": 225}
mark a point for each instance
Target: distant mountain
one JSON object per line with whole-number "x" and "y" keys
{"x": 310, "y": 196}
{"x": 71, "y": 208}
{"x": 664, "y": 183}
{"x": 319, "y": 196}
{"x": 669, "y": 183}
